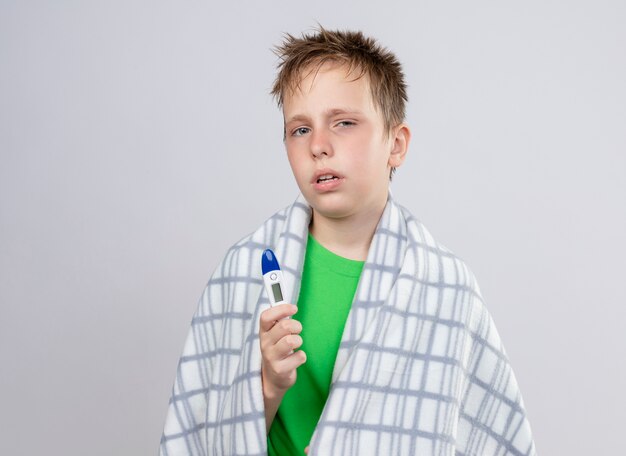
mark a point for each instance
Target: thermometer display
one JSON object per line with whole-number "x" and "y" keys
{"x": 278, "y": 293}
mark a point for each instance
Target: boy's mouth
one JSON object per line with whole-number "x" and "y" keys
{"x": 326, "y": 178}
{"x": 325, "y": 175}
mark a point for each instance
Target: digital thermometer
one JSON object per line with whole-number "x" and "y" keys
{"x": 272, "y": 277}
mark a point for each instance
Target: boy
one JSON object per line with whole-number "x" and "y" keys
{"x": 392, "y": 350}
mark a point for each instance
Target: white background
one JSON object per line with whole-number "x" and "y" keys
{"x": 138, "y": 142}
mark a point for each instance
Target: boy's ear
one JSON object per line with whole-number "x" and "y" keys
{"x": 400, "y": 137}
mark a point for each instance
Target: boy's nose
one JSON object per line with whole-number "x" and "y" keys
{"x": 320, "y": 144}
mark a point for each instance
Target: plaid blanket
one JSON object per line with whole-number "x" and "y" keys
{"x": 420, "y": 368}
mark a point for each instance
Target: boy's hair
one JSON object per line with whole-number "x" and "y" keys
{"x": 358, "y": 52}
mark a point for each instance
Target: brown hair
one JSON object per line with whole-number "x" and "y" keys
{"x": 386, "y": 79}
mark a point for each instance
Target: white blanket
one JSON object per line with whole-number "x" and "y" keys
{"x": 420, "y": 369}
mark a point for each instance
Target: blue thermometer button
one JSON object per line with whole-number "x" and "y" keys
{"x": 269, "y": 262}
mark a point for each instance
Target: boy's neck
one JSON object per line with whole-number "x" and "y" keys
{"x": 349, "y": 237}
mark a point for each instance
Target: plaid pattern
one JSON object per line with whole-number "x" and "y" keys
{"x": 420, "y": 369}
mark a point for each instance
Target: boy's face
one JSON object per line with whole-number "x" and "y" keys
{"x": 333, "y": 128}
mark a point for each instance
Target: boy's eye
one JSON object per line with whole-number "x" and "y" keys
{"x": 346, "y": 123}
{"x": 300, "y": 131}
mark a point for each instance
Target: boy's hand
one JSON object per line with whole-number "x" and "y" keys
{"x": 279, "y": 338}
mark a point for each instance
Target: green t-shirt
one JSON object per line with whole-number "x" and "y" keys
{"x": 327, "y": 290}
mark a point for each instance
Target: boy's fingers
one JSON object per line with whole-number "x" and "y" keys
{"x": 290, "y": 342}
{"x": 283, "y": 327}
{"x": 290, "y": 363}
{"x": 270, "y": 316}
{"x": 306, "y": 450}
{"x": 283, "y": 348}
